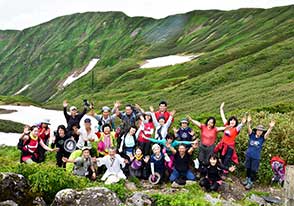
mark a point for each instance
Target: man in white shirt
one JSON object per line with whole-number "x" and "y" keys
{"x": 87, "y": 135}
{"x": 113, "y": 163}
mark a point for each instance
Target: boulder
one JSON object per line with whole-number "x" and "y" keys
{"x": 89, "y": 197}
{"x": 8, "y": 203}
{"x": 16, "y": 188}
{"x": 139, "y": 199}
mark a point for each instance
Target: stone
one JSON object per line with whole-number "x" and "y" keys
{"x": 16, "y": 188}
{"x": 8, "y": 203}
{"x": 139, "y": 199}
{"x": 131, "y": 186}
{"x": 256, "y": 199}
{"x": 88, "y": 197}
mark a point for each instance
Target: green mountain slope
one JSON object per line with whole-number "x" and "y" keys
{"x": 247, "y": 59}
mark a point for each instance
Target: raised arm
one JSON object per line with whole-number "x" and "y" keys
{"x": 271, "y": 125}
{"x": 198, "y": 124}
{"x": 243, "y": 122}
{"x": 249, "y": 120}
{"x": 66, "y": 115}
{"x": 172, "y": 149}
{"x": 222, "y": 113}
{"x": 155, "y": 122}
{"x": 194, "y": 146}
{"x": 170, "y": 119}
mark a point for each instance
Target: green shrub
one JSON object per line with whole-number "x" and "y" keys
{"x": 194, "y": 197}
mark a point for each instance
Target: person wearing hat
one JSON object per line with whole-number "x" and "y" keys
{"x": 83, "y": 166}
{"x": 257, "y": 137}
{"x": 161, "y": 125}
{"x": 44, "y": 135}
{"x": 144, "y": 132}
{"x": 74, "y": 117}
{"x": 104, "y": 118}
{"x": 87, "y": 135}
{"x": 184, "y": 133}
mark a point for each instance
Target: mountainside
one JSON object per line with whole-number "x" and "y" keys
{"x": 246, "y": 59}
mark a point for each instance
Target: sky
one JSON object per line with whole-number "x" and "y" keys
{"x": 20, "y": 14}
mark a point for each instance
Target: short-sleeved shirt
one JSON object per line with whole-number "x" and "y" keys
{"x": 85, "y": 135}
{"x": 208, "y": 136}
{"x": 81, "y": 166}
{"x": 231, "y": 134}
{"x": 184, "y": 134}
{"x": 182, "y": 164}
{"x": 255, "y": 146}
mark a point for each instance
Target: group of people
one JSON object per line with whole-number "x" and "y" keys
{"x": 143, "y": 144}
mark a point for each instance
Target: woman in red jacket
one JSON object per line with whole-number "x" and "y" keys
{"x": 227, "y": 144}
{"x": 31, "y": 142}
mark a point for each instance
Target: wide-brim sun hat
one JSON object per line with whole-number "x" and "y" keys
{"x": 45, "y": 121}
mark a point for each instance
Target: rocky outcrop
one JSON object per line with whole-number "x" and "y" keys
{"x": 139, "y": 199}
{"x": 88, "y": 197}
{"x": 15, "y": 187}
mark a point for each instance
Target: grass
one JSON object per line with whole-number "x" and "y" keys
{"x": 10, "y": 126}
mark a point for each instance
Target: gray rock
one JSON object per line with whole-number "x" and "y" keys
{"x": 8, "y": 203}
{"x": 256, "y": 199}
{"x": 39, "y": 201}
{"x": 131, "y": 186}
{"x": 139, "y": 199}
{"x": 89, "y": 197}
{"x": 16, "y": 188}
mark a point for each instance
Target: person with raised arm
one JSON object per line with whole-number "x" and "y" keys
{"x": 74, "y": 117}
{"x": 160, "y": 125}
{"x": 207, "y": 139}
{"x": 30, "y": 143}
{"x": 84, "y": 165}
{"x": 145, "y": 131}
{"x": 226, "y": 146}
{"x": 257, "y": 137}
{"x": 182, "y": 159}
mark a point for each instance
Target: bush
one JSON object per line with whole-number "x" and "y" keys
{"x": 194, "y": 197}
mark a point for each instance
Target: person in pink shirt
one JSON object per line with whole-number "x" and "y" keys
{"x": 208, "y": 137}
{"x": 146, "y": 130}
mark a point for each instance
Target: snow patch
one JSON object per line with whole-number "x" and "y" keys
{"x": 167, "y": 61}
{"x": 74, "y": 76}
{"x": 22, "y": 89}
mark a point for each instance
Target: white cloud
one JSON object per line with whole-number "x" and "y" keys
{"x": 16, "y": 14}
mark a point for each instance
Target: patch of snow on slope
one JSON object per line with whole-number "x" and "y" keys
{"x": 73, "y": 77}
{"x": 167, "y": 61}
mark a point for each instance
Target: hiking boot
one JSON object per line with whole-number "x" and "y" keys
{"x": 245, "y": 182}
{"x": 249, "y": 185}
